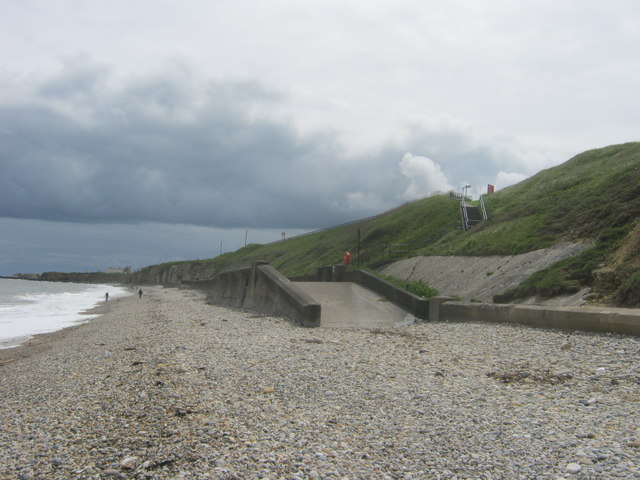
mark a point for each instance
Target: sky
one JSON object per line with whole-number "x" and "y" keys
{"x": 138, "y": 132}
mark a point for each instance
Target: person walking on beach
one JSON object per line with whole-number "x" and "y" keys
{"x": 140, "y": 293}
{"x": 106, "y": 297}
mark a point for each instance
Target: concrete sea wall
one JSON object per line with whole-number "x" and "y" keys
{"x": 605, "y": 320}
{"x": 261, "y": 288}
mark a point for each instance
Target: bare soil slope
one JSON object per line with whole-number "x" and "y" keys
{"x": 480, "y": 278}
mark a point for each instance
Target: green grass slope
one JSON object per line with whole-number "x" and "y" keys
{"x": 390, "y": 236}
{"x": 594, "y": 191}
{"x": 595, "y": 196}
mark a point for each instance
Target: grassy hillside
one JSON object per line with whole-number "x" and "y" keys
{"x": 593, "y": 192}
{"x": 390, "y": 236}
{"x": 595, "y": 196}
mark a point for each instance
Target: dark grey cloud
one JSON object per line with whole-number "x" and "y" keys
{"x": 90, "y": 147}
{"x": 167, "y": 149}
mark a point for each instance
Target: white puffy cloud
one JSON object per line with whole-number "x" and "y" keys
{"x": 425, "y": 176}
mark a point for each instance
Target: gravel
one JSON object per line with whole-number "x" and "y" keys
{"x": 168, "y": 387}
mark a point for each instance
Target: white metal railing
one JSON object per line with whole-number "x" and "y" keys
{"x": 483, "y": 208}
{"x": 465, "y": 217}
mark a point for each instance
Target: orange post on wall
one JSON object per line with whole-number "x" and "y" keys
{"x": 347, "y": 258}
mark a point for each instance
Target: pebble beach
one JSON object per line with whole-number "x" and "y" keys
{"x": 168, "y": 387}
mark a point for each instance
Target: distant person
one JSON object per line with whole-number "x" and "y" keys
{"x": 140, "y": 293}
{"x": 106, "y": 297}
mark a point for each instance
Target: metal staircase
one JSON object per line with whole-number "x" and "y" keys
{"x": 470, "y": 214}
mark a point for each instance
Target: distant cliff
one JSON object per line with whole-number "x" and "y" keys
{"x": 87, "y": 277}
{"x": 174, "y": 273}
{"x": 167, "y": 273}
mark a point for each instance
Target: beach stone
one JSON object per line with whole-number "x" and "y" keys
{"x": 129, "y": 463}
{"x": 573, "y": 468}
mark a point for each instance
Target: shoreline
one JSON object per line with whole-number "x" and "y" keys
{"x": 40, "y": 341}
{"x": 169, "y": 387}
{"x": 99, "y": 308}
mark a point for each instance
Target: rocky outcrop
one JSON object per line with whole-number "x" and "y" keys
{"x": 620, "y": 276}
{"x": 624, "y": 263}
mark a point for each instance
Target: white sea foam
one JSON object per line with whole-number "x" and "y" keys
{"x": 28, "y": 308}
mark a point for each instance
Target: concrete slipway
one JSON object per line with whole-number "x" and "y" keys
{"x": 348, "y": 305}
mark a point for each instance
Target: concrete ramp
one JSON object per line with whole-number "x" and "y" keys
{"x": 348, "y": 305}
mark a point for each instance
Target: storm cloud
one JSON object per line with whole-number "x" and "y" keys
{"x": 175, "y": 149}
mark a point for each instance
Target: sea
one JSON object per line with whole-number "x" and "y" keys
{"x": 29, "y": 307}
